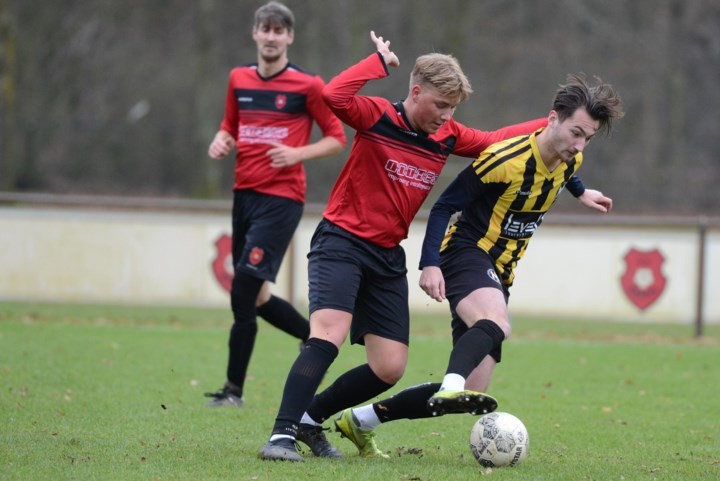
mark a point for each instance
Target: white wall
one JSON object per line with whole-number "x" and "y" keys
{"x": 110, "y": 256}
{"x": 121, "y": 256}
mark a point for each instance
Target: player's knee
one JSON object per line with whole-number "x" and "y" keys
{"x": 498, "y": 330}
{"x": 246, "y": 285}
{"x": 504, "y": 325}
{"x": 390, "y": 372}
{"x": 507, "y": 329}
{"x": 243, "y": 293}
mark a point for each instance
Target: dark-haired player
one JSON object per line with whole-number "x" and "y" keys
{"x": 270, "y": 109}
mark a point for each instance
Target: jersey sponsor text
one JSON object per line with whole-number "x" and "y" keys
{"x": 253, "y": 135}
{"x": 410, "y": 175}
{"x": 521, "y": 225}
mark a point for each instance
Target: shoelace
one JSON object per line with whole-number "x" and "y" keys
{"x": 317, "y": 440}
{"x": 317, "y": 432}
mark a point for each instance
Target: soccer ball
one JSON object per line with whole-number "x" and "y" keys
{"x": 499, "y": 439}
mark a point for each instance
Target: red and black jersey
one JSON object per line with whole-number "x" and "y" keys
{"x": 260, "y": 111}
{"x": 392, "y": 167}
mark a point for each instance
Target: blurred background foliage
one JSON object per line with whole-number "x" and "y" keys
{"x": 122, "y": 98}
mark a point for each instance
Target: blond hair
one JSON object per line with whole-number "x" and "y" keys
{"x": 442, "y": 72}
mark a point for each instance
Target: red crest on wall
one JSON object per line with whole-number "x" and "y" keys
{"x": 256, "y": 256}
{"x": 643, "y": 281}
{"x": 222, "y": 264}
{"x": 280, "y": 101}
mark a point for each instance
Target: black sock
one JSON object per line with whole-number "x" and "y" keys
{"x": 302, "y": 382}
{"x": 410, "y": 403}
{"x": 482, "y": 338}
{"x": 350, "y": 389}
{"x": 244, "y": 291}
{"x": 281, "y": 314}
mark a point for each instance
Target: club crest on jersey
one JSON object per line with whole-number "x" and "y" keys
{"x": 256, "y": 256}
{"x": 643, "y": 281}
{"x": 280, "y": 101}
{"x": 222, "y": 264}
{"x": 493, "y": 275}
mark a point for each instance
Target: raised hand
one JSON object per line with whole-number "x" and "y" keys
{"x": 383, "y": 46}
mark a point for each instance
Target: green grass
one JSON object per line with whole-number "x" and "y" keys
{"x": 102, "y": 392}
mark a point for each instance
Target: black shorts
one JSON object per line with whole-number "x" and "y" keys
{"x": 465, "y": 269}
{"x": 350, "y": 274}
{"x": 262, "y": 226}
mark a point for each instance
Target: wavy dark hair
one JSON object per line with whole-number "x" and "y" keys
{"x": 600, "y": 100}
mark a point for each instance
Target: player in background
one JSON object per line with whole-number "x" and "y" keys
{"x": 503, "y": 196}
{"x": 269, "y": 113}
{"x": 356, "y": 270}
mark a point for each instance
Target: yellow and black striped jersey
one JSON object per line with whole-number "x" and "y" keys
{"x": 503, "y": 196}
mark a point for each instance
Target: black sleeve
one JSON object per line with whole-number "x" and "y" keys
{"x": 575, "y": 186}
{"x": 456, "y": 196}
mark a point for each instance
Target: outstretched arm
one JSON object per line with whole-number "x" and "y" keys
{"x": 341, "y": 93}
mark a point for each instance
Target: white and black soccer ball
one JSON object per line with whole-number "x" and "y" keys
{"x": 499, "y": 439}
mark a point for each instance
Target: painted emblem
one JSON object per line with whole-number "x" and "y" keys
{"x": 256, "y": 256}
{"x": 643, "y": 281}
{"x": 280, "y": 101}
{"x": 222, "y": 264}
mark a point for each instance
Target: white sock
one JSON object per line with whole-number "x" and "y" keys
{"x": 366, "y": 417}
{"x": 306, "y": 419}
{"x": 453, "y": 382}
{"x": 275, "y": 437}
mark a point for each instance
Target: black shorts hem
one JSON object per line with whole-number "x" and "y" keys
{"x": 359, "y": 338}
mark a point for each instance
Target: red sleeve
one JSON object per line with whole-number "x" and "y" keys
{"x": 329, "y": 124}
{"x": 230, "y": 121}
{"x": 358, "y": 111}
{"x": 471, "y": 142}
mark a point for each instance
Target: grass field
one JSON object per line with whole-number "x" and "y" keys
{"x": 100, "y": 392}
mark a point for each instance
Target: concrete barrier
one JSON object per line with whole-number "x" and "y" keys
{"x": 79, "y": 249}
